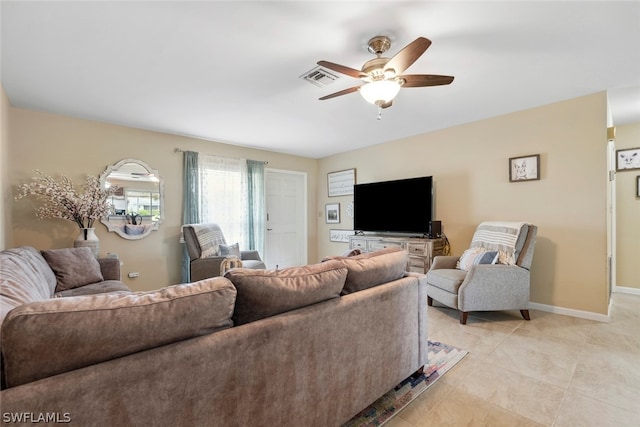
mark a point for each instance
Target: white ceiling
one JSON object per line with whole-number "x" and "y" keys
{"x": 230, "y": 71}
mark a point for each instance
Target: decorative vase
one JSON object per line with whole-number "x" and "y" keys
{"x": 88, "y": 238}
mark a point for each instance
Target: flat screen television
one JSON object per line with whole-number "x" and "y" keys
{"x": 400, "y": 206}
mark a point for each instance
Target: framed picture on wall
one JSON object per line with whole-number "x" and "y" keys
{"x": 628, "y": 159}
{"x": 341, "y": 183}
{"x": 525, "y": 168}
{"x": 340, "y": 235}
{"x": 332, "y": 213}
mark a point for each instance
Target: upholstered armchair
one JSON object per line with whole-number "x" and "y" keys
{"x": 493, "y": 274}
{"x": 208, "y": 248}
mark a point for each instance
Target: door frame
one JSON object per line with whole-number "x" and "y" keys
{"x": 611, "y": 217}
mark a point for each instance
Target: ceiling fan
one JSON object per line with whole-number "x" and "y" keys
{"x": 383, "y": 77}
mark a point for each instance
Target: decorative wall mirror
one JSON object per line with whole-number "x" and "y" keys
{"x": 139, "y": 200}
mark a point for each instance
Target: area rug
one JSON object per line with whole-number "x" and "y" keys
{"x": 442, "y": 357}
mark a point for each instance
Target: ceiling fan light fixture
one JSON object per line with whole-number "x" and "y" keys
{"x": 380, "y": 91}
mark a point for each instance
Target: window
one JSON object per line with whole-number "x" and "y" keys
{"x": 223, "y": 196}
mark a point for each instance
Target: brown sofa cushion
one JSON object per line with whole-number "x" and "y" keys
{"x": 45, "y": 338}
{"x": 95, "y": 288}
{"x": 264, "y": 293}
{"x": 373, "y": 268}
{"x": 73, "y": 267}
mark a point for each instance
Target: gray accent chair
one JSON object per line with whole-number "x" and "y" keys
{"x": 204, "y": 268}
{"x": 485, "y": 287}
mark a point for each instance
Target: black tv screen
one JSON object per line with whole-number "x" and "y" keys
{"x": 402, "y": 206}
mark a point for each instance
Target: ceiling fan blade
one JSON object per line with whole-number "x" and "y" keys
{"x": 408, "y": 55}
{"x": 342, "y": 92}
{"x": 343, "y": 69}
{"x": 420, "y": 80}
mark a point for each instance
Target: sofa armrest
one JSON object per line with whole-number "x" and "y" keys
{"x": 250, "y": 255}
{"x": 489, "y": 286}
{"x": 203, "y": 268}
{"x": 444, "y": 262}
{"x": 110, "y": 268}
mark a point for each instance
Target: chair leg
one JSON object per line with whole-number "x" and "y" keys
{"x": 429, "y": 301}
{"x": 463, "y": 317}
{"x": 525, "y": 314}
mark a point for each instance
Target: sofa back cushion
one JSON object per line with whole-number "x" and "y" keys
{"x": 373, "y": 268}
{"x": 46, "y": 338}
{"x": 264, "y": 293}
{"x": 73, "y": 267}
{"x": 25, "y": 277}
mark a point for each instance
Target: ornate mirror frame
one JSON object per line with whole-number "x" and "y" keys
{"x": 139, "y": 183}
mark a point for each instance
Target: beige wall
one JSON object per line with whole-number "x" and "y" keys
{"x": 469, "y": 164}
{"x": 628, "y": 213}
{"x": 57, "y": 144}
{"x": 5, "y": 185}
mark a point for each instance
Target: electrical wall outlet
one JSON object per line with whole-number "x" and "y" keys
{"x": 134, "y": 274}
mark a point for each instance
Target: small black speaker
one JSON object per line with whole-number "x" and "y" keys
{"x": 435, "y": 229}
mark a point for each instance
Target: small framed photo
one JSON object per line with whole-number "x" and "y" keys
{"x": 525, "y": 168}
{"x": 340, "y": 235}
{"x": 638, "y": 186}
{"x": 628, "y": 159}
{"x": 332, "y": 213}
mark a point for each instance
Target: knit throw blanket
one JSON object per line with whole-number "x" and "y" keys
{"x": 499, "y": 236}
{"x": 210, "y": 238}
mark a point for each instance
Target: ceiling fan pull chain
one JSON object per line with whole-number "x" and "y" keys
{"x": 379, "y": 113}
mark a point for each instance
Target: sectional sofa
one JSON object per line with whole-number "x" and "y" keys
{"x": 311, "y": 345}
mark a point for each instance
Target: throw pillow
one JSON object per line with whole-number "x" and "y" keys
{"x": 134, "y": 230}
{"x": 476, "y": 256}
{"x": 230, "y": 250}
{"x": 351, "y": 252}
{"x": 265, "y": 293}
{"x": 73, "y": 267}
{"x": 374, "y": 268}
{"x": 210, "y": 239}
{"x": 91, "y": 329}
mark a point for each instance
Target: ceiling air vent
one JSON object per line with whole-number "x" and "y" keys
{"x": 319, "y": 76}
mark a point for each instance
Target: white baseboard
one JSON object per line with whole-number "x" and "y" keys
{"x": 571, "y": 312}
{"x": 626, "y": 290}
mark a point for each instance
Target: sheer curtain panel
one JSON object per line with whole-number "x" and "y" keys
{"x": 224, "y": 196}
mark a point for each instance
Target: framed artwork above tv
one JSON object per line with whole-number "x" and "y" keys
{"x": 341, "y": 183}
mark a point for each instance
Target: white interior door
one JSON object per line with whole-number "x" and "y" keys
{"x": 286, "y": 236}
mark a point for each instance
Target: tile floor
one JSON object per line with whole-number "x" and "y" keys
{"x": 551, "y": 371}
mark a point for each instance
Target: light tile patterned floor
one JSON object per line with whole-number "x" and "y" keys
{"x": 551, "y": 371}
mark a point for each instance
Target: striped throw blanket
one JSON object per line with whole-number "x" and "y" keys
{"x": 210, "y": 238}
{"x": 499, "y": 236}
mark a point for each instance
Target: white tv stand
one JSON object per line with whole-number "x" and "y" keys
{"x": 421, "y": 249}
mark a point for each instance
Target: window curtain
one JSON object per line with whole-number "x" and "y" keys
{"x": 228, "y": 192}
{"x": 256, "y": 209}
{"x": 190, "y": 203}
